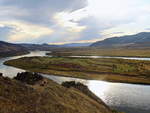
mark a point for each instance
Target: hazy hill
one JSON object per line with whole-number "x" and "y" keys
{"x": 137, "y": 40}
{"x": 9, "y": 49}
{"x": 48, "y": 47}
{"x": 43, "y": 47}
{"x": 75, "y": 45}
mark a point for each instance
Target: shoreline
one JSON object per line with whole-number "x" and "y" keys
{"x": 110, "y": 81}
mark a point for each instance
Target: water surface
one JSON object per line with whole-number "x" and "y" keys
{"x": 130, "y": 58}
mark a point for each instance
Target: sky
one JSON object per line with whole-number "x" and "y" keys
{"x": 71, "y": 21}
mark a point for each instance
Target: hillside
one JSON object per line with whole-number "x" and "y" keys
{"x": 42, "y": 47}
{"x": 138, "y": 40}
{"x": 8, "y": 49}
{"x": 17, "y": 97}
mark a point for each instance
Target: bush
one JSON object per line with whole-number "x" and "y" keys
{"x": 28, "y": 77}
{"x": 74, "y": 84}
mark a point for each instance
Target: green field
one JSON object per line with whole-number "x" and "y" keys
{"x": 116, "y": 70}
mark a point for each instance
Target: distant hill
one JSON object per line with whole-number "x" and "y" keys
{"x": 138, "y": 40}
{"x": 9, "y": 49}
{"x": 75, "y": 45}
{"x": 44, "y": 47}
{"x": 50, "y": 47}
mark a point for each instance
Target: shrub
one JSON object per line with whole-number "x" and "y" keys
{"x": 28, "y": 77}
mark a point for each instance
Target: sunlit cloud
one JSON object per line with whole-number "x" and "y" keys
{"x": 68, "y": 21}
{"x": 25, "y": 31}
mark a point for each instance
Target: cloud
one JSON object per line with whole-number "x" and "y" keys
{"x": 32, "y": 20}
{"x": 103, "y": 19}
{"x": 65, "y": 20}
{"x": 55, "y": 21}
{"x": 41, "y": 11}
{"x": 21, "y": 31}
{"x": 116, "y": 18}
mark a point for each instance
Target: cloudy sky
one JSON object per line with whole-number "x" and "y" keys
{"x": 67, "y": 21}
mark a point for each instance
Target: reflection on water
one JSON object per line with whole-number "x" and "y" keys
{"x": 131, "y": 58}
{"x": 124, "y": 97}
{"x": 99, "y": 88}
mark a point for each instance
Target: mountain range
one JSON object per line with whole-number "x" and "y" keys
{"x": 75, "y": 45}
{"x": 138, "y": 40}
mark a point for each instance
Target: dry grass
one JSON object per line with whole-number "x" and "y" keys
{"x": 16, "y": 97}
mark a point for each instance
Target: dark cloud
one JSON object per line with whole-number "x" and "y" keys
{"x": 41, "y": 11}
{"x": 56, "y": 5}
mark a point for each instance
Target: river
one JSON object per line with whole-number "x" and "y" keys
{"x": 128, "y": 98}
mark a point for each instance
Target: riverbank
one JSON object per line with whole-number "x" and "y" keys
{"x": 114, "y": 70}
{"x": 46, "y": 96}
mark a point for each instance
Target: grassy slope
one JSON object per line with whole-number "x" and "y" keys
{"x": 16, "y": 97}
{"x": 118, "y": 70}
{"x": 132, "y": 52}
